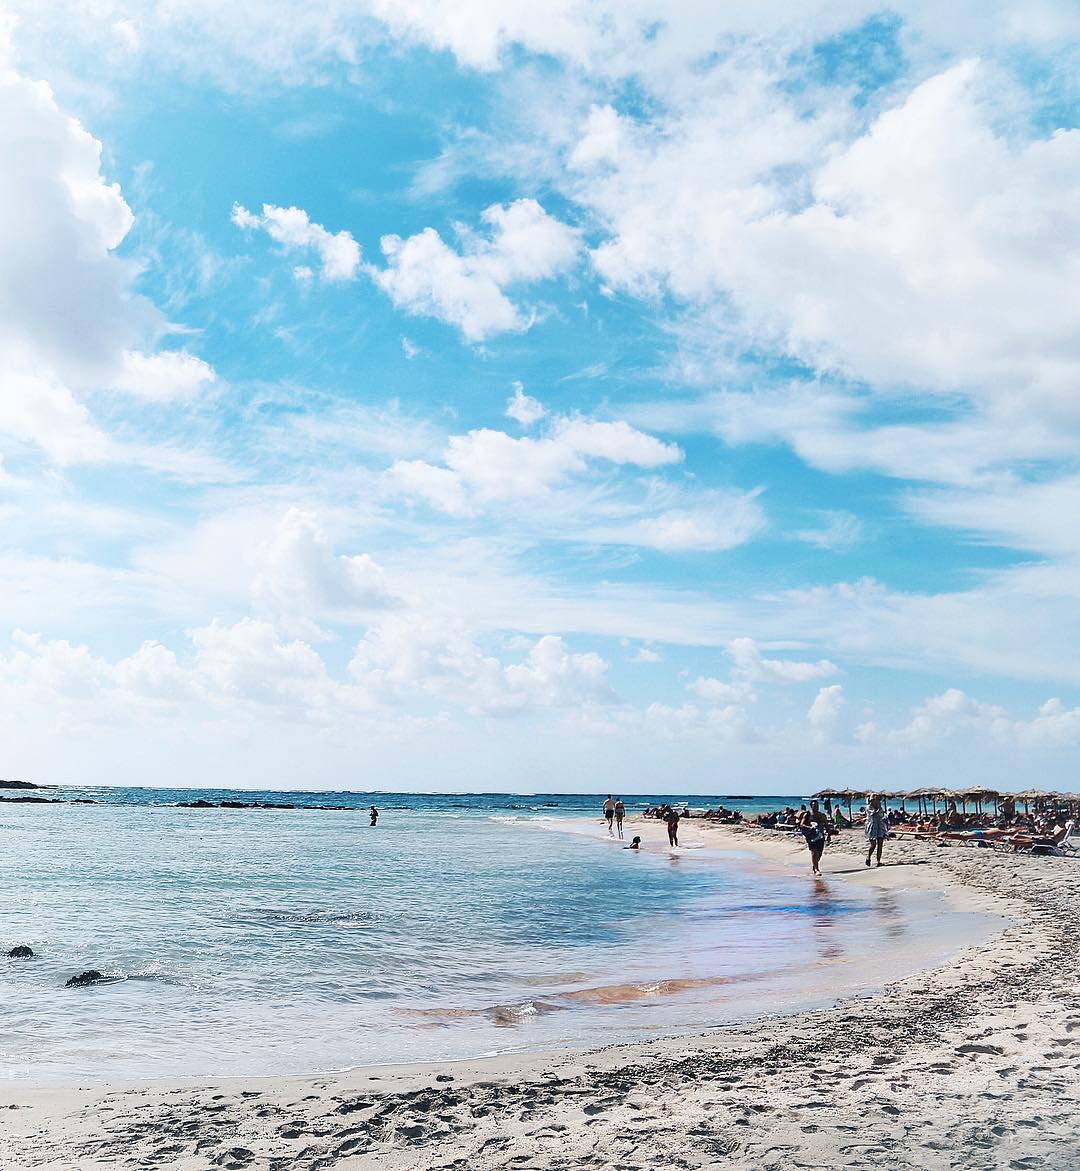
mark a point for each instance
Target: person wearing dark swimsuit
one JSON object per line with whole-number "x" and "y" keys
{"x": 672, "y": 820}
{"x": 815, "y": 828}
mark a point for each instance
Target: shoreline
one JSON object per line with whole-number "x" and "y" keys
{"x": 966, "y": 1066}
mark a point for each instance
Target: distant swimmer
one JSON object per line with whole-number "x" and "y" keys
{"x": 609, "y": 813}
{"x": 620, "y": 813}
{"x": 374, "y": 816}
{"x": 672, "y": 819}
{"x": 634, "y": 845}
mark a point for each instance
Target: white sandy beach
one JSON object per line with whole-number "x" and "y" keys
{"x": 972, "y": 1065}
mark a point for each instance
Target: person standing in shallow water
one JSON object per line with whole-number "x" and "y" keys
{"x": 876, "y": 830}
{"x": 620, "y": 813}
{"x": 816, "y": 829}
{"x": 609, "y": 813}
{"x": 374, "y": 816}
{"x": 672, "y": 820}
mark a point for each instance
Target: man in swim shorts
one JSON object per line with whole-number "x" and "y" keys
{"x": 609, "y": 813}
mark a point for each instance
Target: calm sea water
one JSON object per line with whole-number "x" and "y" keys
{"x": 272, "y": 941}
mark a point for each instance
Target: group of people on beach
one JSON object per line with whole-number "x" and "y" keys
{"x": 819, "y": 826}
{"x": 615, "y": 813}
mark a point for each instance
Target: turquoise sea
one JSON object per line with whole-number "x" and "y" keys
{"x": 269, "y": 941}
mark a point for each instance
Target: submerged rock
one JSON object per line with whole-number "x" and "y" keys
{"x": 21, "y": 952}
{"x": 90, "y": 976}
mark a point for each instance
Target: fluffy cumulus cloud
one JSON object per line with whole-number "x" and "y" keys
{"x": 905, "y": 265}
{"x": 749, "y": 664}
{"x": 926, "y": 257}
{"x": 291, "y": 227}
{"x": 467, "y": 287}
{"x": 487, "y": 466}
{"x": 825, "y": 712}
{"x": 300, "y": 580}
{"x": 523, "y": 408}
{"x": 56, "y": 671}
{"x": 167, "y": 375}
{"x": 433, "y": 657}
{"x": 249, "y": 661}
{"x": 70, "y": 320}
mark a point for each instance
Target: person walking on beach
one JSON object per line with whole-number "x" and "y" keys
{"x": 609, "y": 813}
{"x": 374, "y": 817}
{"x": 620, "y": 813}
{"x": 876, "y": 830}
{"x": 672, "y": 819}
{"x": 816, "y": 829}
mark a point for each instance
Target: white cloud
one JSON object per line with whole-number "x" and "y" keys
{"x": 935, "y": 251}
{"x": 839, "y": 531}
{"x": 719, "y": 521}
{"x": 169, "y": 374}
{"x": 943, "y": 717}
{"x": 70, "y": 321}
{"x": 718, "y": 692}
{"x": 727, "y": 723}
{"x": 427, "y": 655}
{"x": 291, "y": 227}
{"x": 300, "y": 581}
{"x": 248, "y": 662}
{"x": 487, "y": 466}
{"x": 749, "y": 663}
{"x": 524, "y": 409}
{"x": 467, "y": 289}
{"x": 1055, "y": 726}
{"x": 36, "y": 409}
{"x": 825, "y": 712}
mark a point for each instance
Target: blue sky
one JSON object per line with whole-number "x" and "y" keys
{"x": 564, "y": 396}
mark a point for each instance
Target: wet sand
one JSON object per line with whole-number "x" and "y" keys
{"x": 972, "y": 1065}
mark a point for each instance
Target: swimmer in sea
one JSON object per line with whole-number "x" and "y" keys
{"x": 374, "y": 816}
{"x": 634, "y": 845}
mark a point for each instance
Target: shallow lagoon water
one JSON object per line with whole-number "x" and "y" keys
{"x": 269, "y": 942}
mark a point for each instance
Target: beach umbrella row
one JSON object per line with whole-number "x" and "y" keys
{"x": 978, "y": 794}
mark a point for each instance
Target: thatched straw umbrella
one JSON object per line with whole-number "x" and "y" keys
{"x": 930, "y": 794}
{"x": 849, "y": 795}
{"x": 978, "y": 795}
{"x": 1029, "y": 795}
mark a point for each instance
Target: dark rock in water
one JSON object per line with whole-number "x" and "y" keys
{"x": 91, "y": 976}
{"x": 21, "y": 952}
{"x": 18, "y": 785}
{"x": 200, "y": 804}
